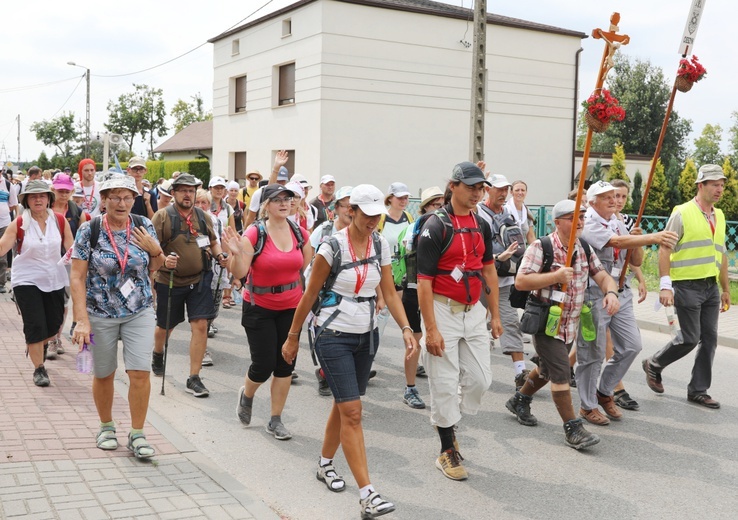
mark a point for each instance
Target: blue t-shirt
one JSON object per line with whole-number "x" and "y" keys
{"x": 104, "y": 277}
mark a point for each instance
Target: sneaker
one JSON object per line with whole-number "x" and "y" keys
{"x": 577, "y": 437}
{"x": 412, "y": 399}
{"x": 280, "y": 432}
{"x": 40, "y": 377}
{"x": 449, "y": 462}
{"x": 244, "y": 408}
{"x": 527, "y": 338}
{"x": 519, "y": 404}
{"x": 704, "y": 400}
{"x": 520, "y": 379}
{"x": 594, "y": 416}
{"x": 215, "y": 329}
{"x": 608, "y": 405}
{"x": 372, "y": 374}
{"x": 625, "y": 401}
{"x": 3, "y": 290}
{"x": 157, "y": 363}
{"x": 52, "y": 350}
{"x": 211, "y": 331}
{"x": 195, "y": 386}
{"x": 323, "y": 388}
{"x": 653, "y": 377}
{"x": 60, "y": 347}
{"x": 374, "y": 506}
{"x": 207, "y": 361}
{"x": 295, "y": 375}
{"x": 420, "y": 372}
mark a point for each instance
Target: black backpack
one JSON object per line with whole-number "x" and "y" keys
{"x": 506, "y": 232}
{"x": 517, "y": 297}
{"x": 95, "y": 225}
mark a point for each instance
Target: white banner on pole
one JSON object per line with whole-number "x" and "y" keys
{"x": 690, "y": 30}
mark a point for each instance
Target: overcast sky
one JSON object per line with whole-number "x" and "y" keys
{"x": 116, "y": 39}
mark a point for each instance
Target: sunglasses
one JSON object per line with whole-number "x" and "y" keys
{"x": 254, "y": 179}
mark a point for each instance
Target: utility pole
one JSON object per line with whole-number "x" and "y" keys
{"x": 19, "y": 138}
{"x": 87, "y": 115}
{"x": 479, "y": 81}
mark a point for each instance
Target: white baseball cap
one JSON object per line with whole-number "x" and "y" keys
{"x": 598, "y": 188}
{"x": 369, "y": 199}
{"x": 499, "y": 181}
{"x": 325, "y": 179}
{"x": 217, "y": 181}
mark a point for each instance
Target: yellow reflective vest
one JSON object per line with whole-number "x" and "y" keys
{"x": 698, "y": 254}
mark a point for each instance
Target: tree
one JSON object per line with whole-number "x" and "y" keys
{"x": 729, "y": 201}
{"x": 644, "y": 94}
{"x": 637, "y": 196}
{"x": 617, "y": 169}
{"x": 733, "y": 144}
{"x": 597, "y": 172}
{"x": 140, "y": 112}
{"x": 185, "y": 113}
{"x": 59, "y": 132}
{"x": 687, "y": 178}
{"x": 658, "y": 197}
{"x": 43, "y": 161}
{"x": 707, "y": 146}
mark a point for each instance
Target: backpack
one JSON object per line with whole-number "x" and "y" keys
{"x": 506, "y": 232}
{"x": 380, "y": 226}
{"x": 405, "y": 270}
{"x": 261, "y": 235}
{"x": 517, "y": 297}
{"x": 95, "y": 228}
{"x": 20, "y": 233}
{"x": 176, "y": 221}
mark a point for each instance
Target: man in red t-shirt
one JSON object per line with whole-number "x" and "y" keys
{"x": 455, "y": 266}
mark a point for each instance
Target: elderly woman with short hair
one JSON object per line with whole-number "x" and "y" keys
{"x": 111, "y": 295}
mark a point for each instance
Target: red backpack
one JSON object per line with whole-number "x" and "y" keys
{"x": 20, "y": 234}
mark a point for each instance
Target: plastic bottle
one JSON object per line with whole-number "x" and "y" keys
{"x": 589, "y": 332}
{"x": 381, "y": 320}
{"x": 237, "y": 296}
{"x": 552, "y": 323}
{"x": 671, "y": 320}
{"x": 84, "y": 360}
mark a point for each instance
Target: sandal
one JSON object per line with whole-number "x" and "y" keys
{"x": 139, "y": 446}
{"x": 228, "y": 303}
{"x": 328, "y": 475}
{"x": 625, "y": 401}
{"x": 106, "y": 439}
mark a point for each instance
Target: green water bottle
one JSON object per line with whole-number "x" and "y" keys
{"x": 589, "y": 332}
{"x": 552, "y": 323}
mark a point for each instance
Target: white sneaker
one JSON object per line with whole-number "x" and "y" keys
{"x": 207, "y": 361}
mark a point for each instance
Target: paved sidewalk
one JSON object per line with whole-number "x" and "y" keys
{"x": 50, "y": 467}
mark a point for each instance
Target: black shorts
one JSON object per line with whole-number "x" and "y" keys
{"x": 412, "y": 309}
{"x": 42, "y": 312}
{"x": 197, "y": 297}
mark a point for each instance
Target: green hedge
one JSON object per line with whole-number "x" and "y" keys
{"x": 157, "y": 169}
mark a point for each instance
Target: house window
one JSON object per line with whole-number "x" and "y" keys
{"x": 287, "y": 27}
{"x": 287, "y": 84}
{"x": 240, "y": 94}
{"x": 235, "y": 47}
{"x": 290, "y": 161}
{"x": 239, "y": 167}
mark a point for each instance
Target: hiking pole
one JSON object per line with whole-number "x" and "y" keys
{"x": 166, "y": 331}
{"x": 217, "y": 294}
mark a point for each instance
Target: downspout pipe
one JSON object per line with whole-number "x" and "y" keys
{"x": 576, "y": 115}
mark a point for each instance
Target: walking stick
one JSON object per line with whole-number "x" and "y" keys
{"x": 166, "y": 340}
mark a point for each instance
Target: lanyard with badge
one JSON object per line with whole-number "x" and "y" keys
{"x": 457, "y": 273}
{"x": 127, "y": 288}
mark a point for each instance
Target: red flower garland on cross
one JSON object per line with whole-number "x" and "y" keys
{"x": 604, "y": 107}
{"x": 691, "y": 70}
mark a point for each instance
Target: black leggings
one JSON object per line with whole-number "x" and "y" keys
{"x": 267, "y": 331}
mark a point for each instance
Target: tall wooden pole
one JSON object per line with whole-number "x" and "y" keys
{"x": 479, "y": 82}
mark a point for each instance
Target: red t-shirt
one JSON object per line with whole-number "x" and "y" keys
{"x": 272, "y": 268}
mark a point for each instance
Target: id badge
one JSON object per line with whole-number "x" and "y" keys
{"x": 616, "y": 272}
{"x": 127, "y": 288}
{"x": 457, "y": 274}
{"x": 203, "y": 241}
{"x": 558, "y": 296}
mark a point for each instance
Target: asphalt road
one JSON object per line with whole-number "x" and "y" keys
{"x": 672, "y": 459}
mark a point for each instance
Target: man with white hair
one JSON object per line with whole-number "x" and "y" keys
{"x": 610, "y": 240}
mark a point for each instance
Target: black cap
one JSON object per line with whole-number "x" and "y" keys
{"x": 274, "y": 190}
{"x": 469, "y": 174}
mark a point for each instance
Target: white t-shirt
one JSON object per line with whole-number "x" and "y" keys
{"x": 8, "y": 199}
{"x": 92, "y": 201}
{"x": 354, "y": 317}
{"x": 255, "y": 203}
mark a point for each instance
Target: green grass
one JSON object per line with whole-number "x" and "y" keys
{"x": 650, "y": 270}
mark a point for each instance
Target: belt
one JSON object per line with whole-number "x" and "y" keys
{"x": 709, "y": 279}
{"x": 456, "y": 307}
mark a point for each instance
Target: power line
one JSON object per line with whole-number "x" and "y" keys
{"x": 183, "y": 54}
{"x": 38, "y": 85}
{"x": 70, "y": 96}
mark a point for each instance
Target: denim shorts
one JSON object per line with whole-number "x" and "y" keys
{"x": 346, "y": 362}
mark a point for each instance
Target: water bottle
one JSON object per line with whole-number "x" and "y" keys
{"x": 552, "y": 323}
{"x": 589, "y": 332}
{"x": 84, "y": 360}
{"x": 671, "y": 320}
{"x": 382, "y": 319}
{"x": 237, "y": 296}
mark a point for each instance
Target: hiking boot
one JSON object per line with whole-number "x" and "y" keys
{"x": 279, "y": 431}
{"x": 625, "y": 401}
{"x": 40, "y": 377}
{"x": 374, "y": 506}
{"x": 195, "y": 386}
{"x": 520, "y": 379}
{"x": 51, "y": 351}
{"x": 211, "y": 331}
{"x": 608, "y": 405}
{"x": 519, "y": 404}
{"x": 157, "y": 363}
{"x": 323, "y": 388}
{"x": 207, "y": 361}
{"x": 412, "y": 399}
{"x": 60, "y": 346}
{"x": 449, "y": 462}
{"x": 577, "y": 437}
{"x": 572, "y": 379}
{"x": 420, "y": 372}
{"x": 594, "y": 416}
{"x": 704, "y": 400}
{"x": 244, "y": 407}
{"x": 653, "y": 377}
